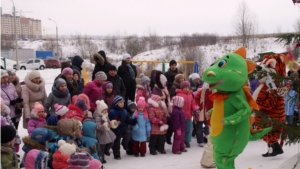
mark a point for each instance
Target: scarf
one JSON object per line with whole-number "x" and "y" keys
{"x": 132, "y": 74}
{"x": 147, "y": 90}
{"x": 59, "y": 93}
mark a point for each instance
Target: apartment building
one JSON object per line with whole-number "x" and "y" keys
{"x": 27, "y": 28}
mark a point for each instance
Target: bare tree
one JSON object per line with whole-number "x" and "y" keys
{"x": 134, "y": 45}
{"x": 85, "y": 46}
{"x": 245, "y": 23}
{"x": 297, "y": 25}
{"x": 193, "y": 54}
{"x": 49, "y": 45}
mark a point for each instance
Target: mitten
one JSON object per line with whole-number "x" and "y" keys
{"x": 178, "y": 132}
{"x": 106, "y": 126}
{"x": 19, "y": 100}
{"x": 12, "y": 102}
{"x": 166, "y": 126}
{"x": 270, "y": 83}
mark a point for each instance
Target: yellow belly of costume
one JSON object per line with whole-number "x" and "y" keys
{"x": 217, "y": 117}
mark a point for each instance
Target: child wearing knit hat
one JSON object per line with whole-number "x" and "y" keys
{"x": 189, "y": 109}
{"x": 63, "y": 154}
{"x": 104, "y": 133}
{"x": 178, "y": 125}
{"x": 131, "y": 107}
{"x": 179, "y": 78}
{"x": 158, "y": 119}
{"x": 37, "y": 118}
{"x": 36, "y": 159}
{"x": 77, "y": 111}
{"x": 141, "y": 131}
{"x": 59, "y": 95}
{"x": 80, "y": 160}
{"x": 95, "y": 164}
{"x": 144, "y": 89}
{"x": 107, "y": 94}
{"x": 121, "y": 115}
{"x": 9, "y": 158}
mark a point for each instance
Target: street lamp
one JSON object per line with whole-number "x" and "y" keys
{"x": 56, "y": 37}
{"x": 16, "y": 36}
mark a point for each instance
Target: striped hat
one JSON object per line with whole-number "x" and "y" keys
{"x": 60, "y": 109}
{"x": 178, "y": 101}
{"x": 155, "y": 97}
{"x": 118, "y": 99}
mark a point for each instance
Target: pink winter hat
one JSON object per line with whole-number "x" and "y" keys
{"x": 185, "y": 84}
{"x": 82, "y": 96}
{"x": 178, "y": 101}
{"x": 95, "y": 164}
{"x": 38, "y": 108}
{"x": 141, "y": 103}
{"x": 67, "y": 71}
{"x": 155, "y": 97}
{"x": 60, "y": 109}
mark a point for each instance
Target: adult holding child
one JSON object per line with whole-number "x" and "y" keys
{"x": 33, "y": 91}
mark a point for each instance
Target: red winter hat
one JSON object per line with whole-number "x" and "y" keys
{"x": 185, "y": 84}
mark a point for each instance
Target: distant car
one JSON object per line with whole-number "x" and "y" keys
{"x": 51, "y": 62}
{"x": 62, "y": 59}
{"x": 31, "y": 64}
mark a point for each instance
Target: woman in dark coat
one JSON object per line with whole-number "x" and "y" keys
{"x": 127, "y": 71}
{"x": 101, "y": 63}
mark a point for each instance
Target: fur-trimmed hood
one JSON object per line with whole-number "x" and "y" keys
{"x": 33, "y": 144}
{"x": 153, "y": 103}
{"x": 69, "y": 127}
{"x": 140, "y": 87}
{"x": 34, "y": 87}
{"x": 6, "y": 149}
{"x": 16, "y": 81}
{"x": 97, "y": 56}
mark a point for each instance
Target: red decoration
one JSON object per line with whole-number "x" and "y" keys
{"x": 297, "y": 45}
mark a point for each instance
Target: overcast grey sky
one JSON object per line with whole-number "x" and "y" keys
{"x": 166, "y": 17}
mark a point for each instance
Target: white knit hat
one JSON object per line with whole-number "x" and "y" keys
{"x": 125, "y": 56}
{"x": 4, "y": 73}
{"x": 101, "y": 105}
{"x": 60, "y": 109}
{"x": 66, "y": 148}
{"x": 194, "y": 76}
{"x": 163, "y": 79}
{"x": 33, "y": 74}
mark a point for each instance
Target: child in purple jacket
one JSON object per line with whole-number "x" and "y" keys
{"x": 37, "y": 119}
{"x": 178, "y": 125}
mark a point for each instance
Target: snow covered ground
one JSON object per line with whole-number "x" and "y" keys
{"x": 250, "y": 158}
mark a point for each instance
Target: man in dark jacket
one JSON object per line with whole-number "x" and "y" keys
{"x": 76, "y": 63}
{"x": 127, "y": 71}
{"x": 101, "y": 63}
{"x": 171, "y": 73}
{"x": 118, "y": 85}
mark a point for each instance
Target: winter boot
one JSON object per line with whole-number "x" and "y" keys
{"x": 274, "y": 150}
{"x": 187, "y": 145}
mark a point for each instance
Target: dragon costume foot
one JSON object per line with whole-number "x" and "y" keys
{"x": 257, "y": 134}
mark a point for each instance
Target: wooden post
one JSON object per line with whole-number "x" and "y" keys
{"x": 185, "y": 71}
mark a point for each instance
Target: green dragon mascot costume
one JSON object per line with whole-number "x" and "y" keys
{"x": 233, "y": 104}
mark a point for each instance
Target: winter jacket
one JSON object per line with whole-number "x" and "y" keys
{"x": 120, "y": 114}
{"x": 17, "y": 85}
{"x": 253, "y": 85}
{"x": 76, "y": 63}
{"x": 93, "y": 90}
{"x": 156, "y": 114}
{"x": 170, "y": 75}
{"x": 189, "y": 103}
{"x": 178, "y": 119}
{"x": 204, "y": 103}
{"x": 80, "y": 83}
{"x": 35, "y": 122}
{"x": 118, "y": 85}
{"x": 89, "y": 139}
{"x": 5, "y": 114}
{"x": 73, "y": 113}
{"x": 8, "y": 93}
{"x": 56, "y": 96}
{"x": 194, "y": 87}
{"x": 141, "y": 131}
{"x": 36, "y": 160}
{"x": 290, "y": 102}
{"x": 60, "y": 160}
{"x": 9, "y": 159}
{"x": 32, "y": 93}
{"x": 173, "y": 88}
{"x": 71, "y": 85}
{"x": 104, "y": 135}
{"x": 108, "y": 98}
{"x": 104, "y": 66}
{"x": 123, "y": 72}
{"x": 141, "y": 92}
{"x": 163, "y": 92}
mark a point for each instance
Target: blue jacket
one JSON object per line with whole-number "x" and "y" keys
{"x": 290, "y": 101}
{"x": 120, "y": 114}
{"x": 89, "y": 139}
{"x": 141, "y": 131}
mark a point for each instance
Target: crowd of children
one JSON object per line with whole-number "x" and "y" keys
{"x": 68, "y": 129}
